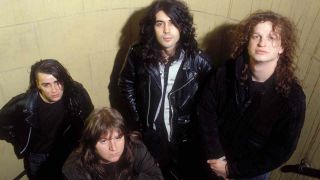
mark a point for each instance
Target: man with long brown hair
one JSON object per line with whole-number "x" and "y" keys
{"x": 160, "y": 82}
{"x": 253, "y": 108}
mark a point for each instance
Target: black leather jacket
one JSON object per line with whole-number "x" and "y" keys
{"x": 140, "y": 84}
{"x": 18, "y": 118}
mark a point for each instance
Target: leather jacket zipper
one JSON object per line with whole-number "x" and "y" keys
{"x": 25, "y": 147}
{"x": 148, "y": 109}
{"x": 171, "y": 108}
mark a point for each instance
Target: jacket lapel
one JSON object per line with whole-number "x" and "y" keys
{"x": 153, "y": 71}
{"x": 184, "y": 75}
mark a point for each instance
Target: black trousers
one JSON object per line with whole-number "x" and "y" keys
{"x": 177, "y": 161}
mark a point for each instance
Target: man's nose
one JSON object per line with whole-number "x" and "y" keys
{"x": 262, "y": 42}
{"x": 55, "y": 87}
{"x": 166, "y": 28}
{"x": 112, "y": 145}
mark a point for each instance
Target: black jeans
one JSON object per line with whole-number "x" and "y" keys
{"x": 33, "y": 163}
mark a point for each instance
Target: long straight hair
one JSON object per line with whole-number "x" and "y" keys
{"x": 102, "y": 121}
{"x": 53, "y": 67}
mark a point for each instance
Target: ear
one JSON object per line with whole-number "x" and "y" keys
{"x": 280, "y": 50}
{"x": 37, "y": 84}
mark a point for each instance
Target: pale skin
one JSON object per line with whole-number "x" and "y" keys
{"x": 51, "y": 90}
{"x": 167, "y": 34}
{"x": 264, "y": 50}
{"x": 110, "y": 146}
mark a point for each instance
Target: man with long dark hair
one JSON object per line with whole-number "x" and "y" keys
{"x": 107, "y": 151}
{"x": 253, "y": 108}
{"x": 160, "y": 81}
{"x": 44, "y": 124}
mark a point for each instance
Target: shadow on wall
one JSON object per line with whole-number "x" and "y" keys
{"x": 218, "y": 44}
{"x": 129, "y": 35}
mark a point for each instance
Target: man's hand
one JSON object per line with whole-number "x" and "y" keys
{"x": 218, "y": 166}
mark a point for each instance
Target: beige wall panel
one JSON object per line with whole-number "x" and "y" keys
{"x": 316, "y": 149}
{"x": 204, "y": 7}
{"x": 303, "y": 65}
{"x": 261, "y": 4}
{"x": 313, "y": 39}
{"x": 80, "y": 71}
{"x": 140, "y": 3}
{"x": 93, "y": 5}
{"x": 108, "y": 28}
{"x": 12, "y": 166}
{"x": 204, "y": 23}
{"x": 18, "y": 46}
{"x": 311, "y": 79}
{"x": 317, "y": 54}
{"x": 240, "y": 9}
{"x": 223, "y": 8}
{"x": 53, "y": 40}
{"x": 285, "y": 7}
{"x": 71, "y": 7}
{"x": 299, "y": 10}
{"x": 36, "y": 10}
{"x": 3, "y": 97}
{"x": 6, "y": 13}
{"x": 275, "y": 6}
{"x": 101, "y": 65}
{"x": 81, "y": 34}
{"x": 313, "y": 154}
{"x": 306, "y": 22}
{"x": 215, "y": 7}
{"x": 14, "y": 82}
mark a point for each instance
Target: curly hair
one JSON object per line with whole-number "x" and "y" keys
{"x": 180, "y": 17}
{"x": 284, "y": 71}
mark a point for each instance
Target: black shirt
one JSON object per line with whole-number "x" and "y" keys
{"x": 50, "y": 117}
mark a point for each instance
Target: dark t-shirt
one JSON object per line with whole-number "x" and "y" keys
{"x": 50, "y": 117}
{"x": 256, "y": 87}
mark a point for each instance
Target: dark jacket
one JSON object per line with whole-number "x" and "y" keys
{"x": 141, "y": 167}
{"x": 257, "y": 133}
{"x": 19, "y": 120}
{"x": 140, "y": 84}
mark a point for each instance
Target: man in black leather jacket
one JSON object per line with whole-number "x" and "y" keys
{"x": 253, "y": 108}
{"x": 160, "y": 81}
{"x": 44, "y": 124}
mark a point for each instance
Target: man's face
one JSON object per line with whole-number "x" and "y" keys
{"x": 166, "y": 32}
{"x": 110, "y": 146}
{"x": 265, "y": 43}
{"x": 51, "y": 90}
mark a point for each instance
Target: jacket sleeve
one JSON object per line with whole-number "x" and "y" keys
{"x": 283, "y": 142}
{"x": 208, "y": 119}
{"x": 87, "y": 105}
{"x": 206, "y": 65}
{"x": 72, "y": 169}
{"x": 127, "y": 85}
{"x": 79, "y": 102}
{"x": 145, "y": 167}
{"x": 9, "y": 113}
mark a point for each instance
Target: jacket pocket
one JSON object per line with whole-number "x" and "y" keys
{"x": 184, "y": 119}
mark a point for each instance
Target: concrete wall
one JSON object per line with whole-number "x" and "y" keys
{"x": 90, "y": 38}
